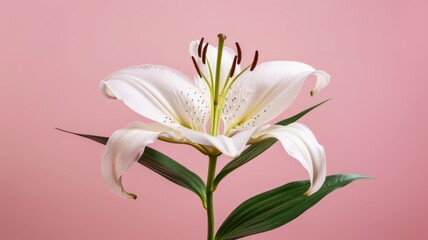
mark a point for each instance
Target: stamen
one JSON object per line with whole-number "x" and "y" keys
{"x": 200, "y": 47}
{"x": 232, "y": 70}
{"x": 238, "y": 48}
{"x": 204, "y": 53}
{"x": 256, "y": 57}
{"x": 196, "y": 66}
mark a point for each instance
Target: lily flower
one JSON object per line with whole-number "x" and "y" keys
{"x": 244, "y": 99}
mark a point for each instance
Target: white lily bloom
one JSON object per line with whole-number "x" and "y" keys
{"x": 244, "y": 99}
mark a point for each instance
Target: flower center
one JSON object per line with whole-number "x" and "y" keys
{"x": 219, "y": 88}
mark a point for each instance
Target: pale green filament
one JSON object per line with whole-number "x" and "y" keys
{"x": 206, "y": 81}
{"x": 211, "y": 73}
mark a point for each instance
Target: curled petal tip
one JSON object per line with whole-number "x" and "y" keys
{"x": 310, "y": 192}
{"x": 132, "y": 196}
{"x": 106, "y": 91}
{"x": 316, "y": 185}
{"x": 323, "y": 79}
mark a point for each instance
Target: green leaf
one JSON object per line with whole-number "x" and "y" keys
{"x": 256, "y": 149}
{"x": 164, "y": 166}
{"x": 277, "y": 207}
{"x": 173, "y": 171}
{"x": 99, "y": 139}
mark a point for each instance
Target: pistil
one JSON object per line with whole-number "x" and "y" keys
{"x": 221, "y": 38}
{"x": 215, "y": 114}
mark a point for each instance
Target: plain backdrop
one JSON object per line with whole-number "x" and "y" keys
{"x": 53, "y": 55}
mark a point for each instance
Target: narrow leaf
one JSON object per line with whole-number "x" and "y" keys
{"x": 256, "y": 149}
{"x": 173, "y": 171}
{"x": 277, "y": 207}
{"x": 99, "y": 139}
{"x": 164, "y": 166}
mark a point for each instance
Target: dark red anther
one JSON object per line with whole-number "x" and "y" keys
{"x": 232, "y": 70}
{"x": 238, "y": 48}
{"x": 256, "y": 58}
{"x": 196, "y": 66}
{"x": 200, "y": 47}
{"x": 204, "y": 53}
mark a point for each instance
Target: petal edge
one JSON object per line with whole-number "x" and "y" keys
{"x": 124, "y": 147}
{"x": 300, "y": 143}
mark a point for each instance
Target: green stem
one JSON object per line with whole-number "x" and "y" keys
{"x": 214, "y": 129}
{"x": 210, "y": 200}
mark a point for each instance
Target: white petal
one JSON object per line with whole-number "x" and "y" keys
{"x": 229, "y": 146}
{"x": 261, "y": 95}
{"x": 300, "y": 143}
{"x": 226, "y": 62}
{"x": 125, "y": 147}
{"x": 161, "y": 94}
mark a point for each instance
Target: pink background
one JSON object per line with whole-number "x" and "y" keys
{"x": 54, "y": 53}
